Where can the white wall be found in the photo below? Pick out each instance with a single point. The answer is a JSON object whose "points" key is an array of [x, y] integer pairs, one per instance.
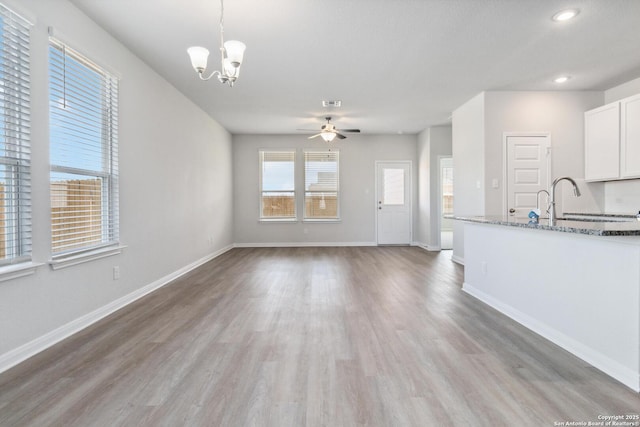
{"points": [[622, 196], [561, 114], [175, 191], [478, 128], [358, 154], [433, 143], [630, 88], [468, 166]]}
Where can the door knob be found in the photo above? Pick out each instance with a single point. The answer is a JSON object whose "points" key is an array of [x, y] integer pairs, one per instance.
{"points": [[512, 211]]}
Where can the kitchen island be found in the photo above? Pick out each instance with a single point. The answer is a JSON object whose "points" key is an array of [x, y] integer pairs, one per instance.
{"points": [[577, 283]]}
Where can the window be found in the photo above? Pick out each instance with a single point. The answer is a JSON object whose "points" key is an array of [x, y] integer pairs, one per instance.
{"points": [[321, 189], [277, 185], [393, 186], [15, 162], [84, 152], [447, 189]]}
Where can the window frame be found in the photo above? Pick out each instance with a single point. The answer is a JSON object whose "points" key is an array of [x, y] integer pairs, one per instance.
{"points": [[266, 219], [16, 154], [337, 191], [106, 154]]}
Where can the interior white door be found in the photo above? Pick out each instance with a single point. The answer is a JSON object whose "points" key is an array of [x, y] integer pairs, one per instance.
{"points": [[393, 206], [527, 170]]}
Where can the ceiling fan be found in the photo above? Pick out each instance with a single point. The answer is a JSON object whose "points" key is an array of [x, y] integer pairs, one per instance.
{"points": [[328, 131]]}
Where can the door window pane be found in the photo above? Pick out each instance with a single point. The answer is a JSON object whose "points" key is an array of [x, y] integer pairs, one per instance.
{"points": [[393, 187]]}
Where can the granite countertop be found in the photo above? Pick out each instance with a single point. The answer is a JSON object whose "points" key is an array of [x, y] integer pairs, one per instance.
{"points": [[623, 225]]}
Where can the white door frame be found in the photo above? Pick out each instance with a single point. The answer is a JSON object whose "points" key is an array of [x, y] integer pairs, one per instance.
{"points": [[409, 192], [505, 137]]}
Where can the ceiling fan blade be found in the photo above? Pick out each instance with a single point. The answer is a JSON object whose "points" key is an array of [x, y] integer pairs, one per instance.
{"points": [[350, 130], [313, 136], [339, 135]]}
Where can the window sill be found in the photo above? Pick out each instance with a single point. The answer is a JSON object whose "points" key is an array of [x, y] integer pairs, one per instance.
{"points": [[333, 220], [285, 220], [89, 256], [10, 272]]}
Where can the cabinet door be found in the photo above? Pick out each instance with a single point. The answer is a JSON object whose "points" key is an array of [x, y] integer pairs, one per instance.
{"points": [[630, 137], [602, 143]]}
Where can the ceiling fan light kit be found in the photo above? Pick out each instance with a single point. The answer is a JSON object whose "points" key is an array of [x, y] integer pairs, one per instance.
{"points": [[231, 56], [328, 131]]}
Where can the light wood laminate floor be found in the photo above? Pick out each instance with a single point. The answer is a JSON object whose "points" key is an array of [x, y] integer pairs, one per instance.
{"points": [[376, 336]]}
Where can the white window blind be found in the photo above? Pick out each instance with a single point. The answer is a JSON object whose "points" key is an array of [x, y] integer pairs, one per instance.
{"points": [[321, 185], [83, 108], [15, 152], [277, 185]]}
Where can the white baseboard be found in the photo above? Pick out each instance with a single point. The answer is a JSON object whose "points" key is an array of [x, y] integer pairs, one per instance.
{"points": [[626, 376], [426, 247], [302, 244], [457, 259], [17, 355]]}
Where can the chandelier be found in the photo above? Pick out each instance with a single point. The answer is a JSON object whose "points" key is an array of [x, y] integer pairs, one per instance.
{"points": [[231, 53]]}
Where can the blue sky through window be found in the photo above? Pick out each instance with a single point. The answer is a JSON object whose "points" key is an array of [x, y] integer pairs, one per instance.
{"points": [[278, 176], [76, 113]]}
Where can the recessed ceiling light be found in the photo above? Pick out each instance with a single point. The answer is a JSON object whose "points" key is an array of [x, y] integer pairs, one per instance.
{"points": [[335, 103], [561, 79], [565, 15]]}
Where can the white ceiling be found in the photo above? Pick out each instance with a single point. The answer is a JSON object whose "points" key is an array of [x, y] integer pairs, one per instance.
{"points": [[397, 65]]}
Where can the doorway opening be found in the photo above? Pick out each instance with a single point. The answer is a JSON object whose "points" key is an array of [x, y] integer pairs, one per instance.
{"points": [[446, 203]]}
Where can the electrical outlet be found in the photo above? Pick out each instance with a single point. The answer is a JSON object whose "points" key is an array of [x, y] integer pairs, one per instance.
{"points": [[483, 266], [116, 272]]}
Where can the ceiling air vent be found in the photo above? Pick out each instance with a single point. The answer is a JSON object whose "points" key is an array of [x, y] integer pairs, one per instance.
{"points": [[334, 104]]}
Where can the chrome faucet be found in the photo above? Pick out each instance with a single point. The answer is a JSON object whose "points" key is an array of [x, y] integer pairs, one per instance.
{"points": [[552, 204], [538, 200]]}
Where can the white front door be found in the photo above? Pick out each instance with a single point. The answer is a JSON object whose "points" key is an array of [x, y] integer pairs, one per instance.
{"points": [[393, 203], [527, 170]]}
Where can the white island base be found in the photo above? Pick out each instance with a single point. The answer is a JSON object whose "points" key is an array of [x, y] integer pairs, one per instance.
{"points": [[581, 292]]}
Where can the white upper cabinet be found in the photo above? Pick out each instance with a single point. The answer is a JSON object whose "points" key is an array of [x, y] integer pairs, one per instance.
{"points": [[602, 143], [612, 141], [630, 137]]}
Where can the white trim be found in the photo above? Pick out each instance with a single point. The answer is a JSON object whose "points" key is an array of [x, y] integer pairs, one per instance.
{"points": [[457, 259], [264, 220], [426, 247], [18, 9], [10, 272], [600, 361], [17, 355], [57, 264], [505, 137], [302, 244], [77, 45]]}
